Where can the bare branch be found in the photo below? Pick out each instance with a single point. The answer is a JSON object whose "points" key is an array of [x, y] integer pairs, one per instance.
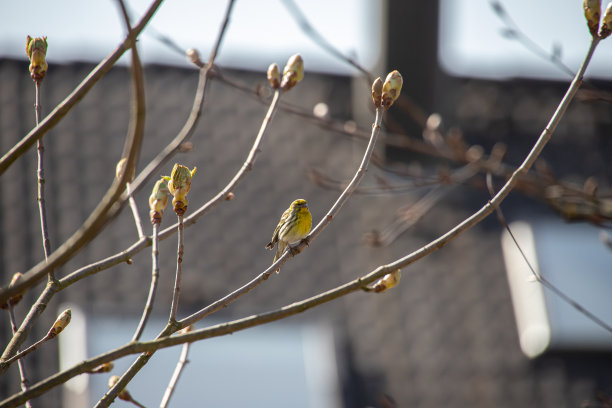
{"points": [[176, 374], [179, 269], [152, 288], [20, 364], [41, 184]]}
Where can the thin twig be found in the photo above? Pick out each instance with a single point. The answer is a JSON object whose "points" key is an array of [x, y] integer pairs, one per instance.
{"points": [[20, 363], [538, 276], [308, 29], [135, 213], [175, 376], [41, 183], [179, 269], [138, 404], [137, 114], [514, 31], [153, 287], [21, 334], [28, 350], [410, 215]]}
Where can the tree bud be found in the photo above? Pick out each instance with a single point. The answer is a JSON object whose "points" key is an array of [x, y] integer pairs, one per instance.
{"points": [[293, 72], [274, 76], [391, 88], [36, 48]]}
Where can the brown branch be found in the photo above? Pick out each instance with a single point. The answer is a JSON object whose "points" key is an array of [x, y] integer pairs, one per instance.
{"points": [[27, 350], [179, 269], [135, 214], [131, 200], [21, 334], [41, 183], [175, 375], [20, 363], [153, 287]]}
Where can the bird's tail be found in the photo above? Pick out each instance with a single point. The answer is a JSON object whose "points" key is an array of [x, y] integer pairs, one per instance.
{"points": [[280, 248]]}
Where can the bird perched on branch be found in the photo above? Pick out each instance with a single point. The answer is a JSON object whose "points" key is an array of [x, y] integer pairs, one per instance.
{"points": [[293, 226]]}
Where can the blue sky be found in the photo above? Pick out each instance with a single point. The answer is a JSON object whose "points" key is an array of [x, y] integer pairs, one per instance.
{"points": [[471, 43], [262, 31]]}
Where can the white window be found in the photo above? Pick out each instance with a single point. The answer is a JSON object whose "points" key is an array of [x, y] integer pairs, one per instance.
{"points": [[573, 258], [276, 365]]}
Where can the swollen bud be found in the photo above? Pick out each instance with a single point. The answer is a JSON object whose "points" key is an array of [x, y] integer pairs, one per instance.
{"points": [[293, 72], [120, 169], [377, 87], [194, 57], [36, 48], [60, 324], [15, 299], [158, 200], [102, 368], [592, 12], [606, 23], [186, 329], [391, 88], [179, 184], [274, 76], [388, 281], [123, 394]]}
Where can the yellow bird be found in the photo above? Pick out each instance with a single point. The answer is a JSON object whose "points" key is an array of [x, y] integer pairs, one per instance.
{"points": [[293, 226]]}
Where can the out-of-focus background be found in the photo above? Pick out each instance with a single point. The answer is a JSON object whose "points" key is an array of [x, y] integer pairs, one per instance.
{"points": [[467, 326]]}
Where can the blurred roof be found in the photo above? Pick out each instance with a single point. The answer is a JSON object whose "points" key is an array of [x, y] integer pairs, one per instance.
{"points": [[444, 337]]}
